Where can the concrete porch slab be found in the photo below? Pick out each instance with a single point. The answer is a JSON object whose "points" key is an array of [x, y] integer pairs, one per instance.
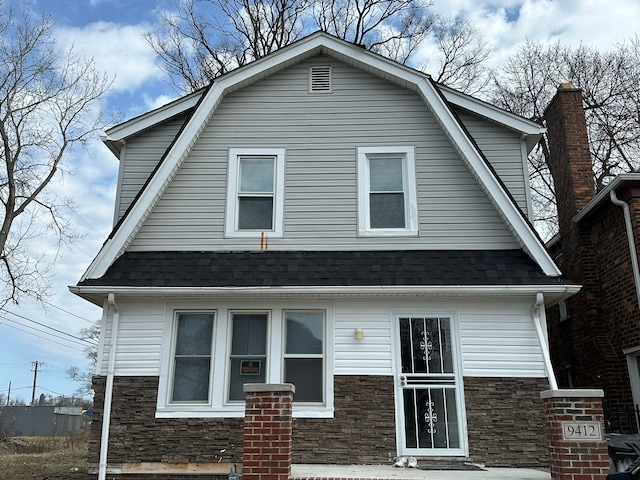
{"points": [[388, 472]]}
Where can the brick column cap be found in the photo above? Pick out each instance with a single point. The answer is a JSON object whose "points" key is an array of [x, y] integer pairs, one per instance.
{"points": [[572, 392], [269, 387]]}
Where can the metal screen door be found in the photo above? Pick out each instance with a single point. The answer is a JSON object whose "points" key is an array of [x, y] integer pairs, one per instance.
{"points": [[428, 397]]}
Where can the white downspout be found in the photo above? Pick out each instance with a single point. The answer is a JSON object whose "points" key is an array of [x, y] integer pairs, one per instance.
{"points": [[539, 317], [632, 243], [108, 393]]}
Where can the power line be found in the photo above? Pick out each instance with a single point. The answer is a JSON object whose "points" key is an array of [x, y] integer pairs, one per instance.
{"points": [[44, 338], [34, 329], [67, 311], [50, 328]]}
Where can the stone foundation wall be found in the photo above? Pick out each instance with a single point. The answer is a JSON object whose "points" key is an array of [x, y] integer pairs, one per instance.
{"points": [[504, 415], [506, 421], [363, 430]]}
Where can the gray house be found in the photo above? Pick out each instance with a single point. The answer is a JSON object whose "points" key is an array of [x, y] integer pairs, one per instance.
{"points": [[329, 218]]}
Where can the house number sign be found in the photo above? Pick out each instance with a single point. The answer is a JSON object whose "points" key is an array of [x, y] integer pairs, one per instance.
{"points": [[250, 367], [585, 431]]}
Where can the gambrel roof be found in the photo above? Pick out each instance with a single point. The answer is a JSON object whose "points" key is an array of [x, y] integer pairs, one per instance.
{"points": [[204, 103]]}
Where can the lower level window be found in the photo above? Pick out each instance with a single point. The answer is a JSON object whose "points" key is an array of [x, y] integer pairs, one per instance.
{"points": [[304, 352], [248, 351], [192, 360], [216, 352]]}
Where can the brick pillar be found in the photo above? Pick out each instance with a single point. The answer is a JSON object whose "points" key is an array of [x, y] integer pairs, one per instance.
{"points": [[575, 433], [267, 431]]}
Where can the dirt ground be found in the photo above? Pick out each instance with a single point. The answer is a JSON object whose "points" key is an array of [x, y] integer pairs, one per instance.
{"points": [[44, 458]]}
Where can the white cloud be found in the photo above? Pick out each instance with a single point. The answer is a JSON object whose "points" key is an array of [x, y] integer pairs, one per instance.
{"points": [[119, 50], [507, 23]]}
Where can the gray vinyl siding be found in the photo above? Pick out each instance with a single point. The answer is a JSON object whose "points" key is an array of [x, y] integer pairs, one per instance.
{"points": [[321, 134], [503, 149], [142, 154]]}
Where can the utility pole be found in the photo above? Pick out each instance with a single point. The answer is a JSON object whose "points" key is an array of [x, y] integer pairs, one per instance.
{"points": [[9, 394], [35, 376]]}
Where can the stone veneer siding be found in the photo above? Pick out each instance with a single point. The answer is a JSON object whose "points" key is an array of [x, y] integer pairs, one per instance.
{"points": [[504, 415], [506, 421]]}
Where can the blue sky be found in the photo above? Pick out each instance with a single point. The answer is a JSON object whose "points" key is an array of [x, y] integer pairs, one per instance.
{"points": [[111, 31]]}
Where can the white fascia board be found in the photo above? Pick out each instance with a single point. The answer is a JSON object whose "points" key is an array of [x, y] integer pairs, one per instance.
{"points": [[501, 200], [530, 130], [508, 119], [154, 117], [119, 239], [604, 194], [331, 291]]}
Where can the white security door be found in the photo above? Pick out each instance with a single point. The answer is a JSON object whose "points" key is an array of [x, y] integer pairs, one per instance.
{"points": [[429, 404]]}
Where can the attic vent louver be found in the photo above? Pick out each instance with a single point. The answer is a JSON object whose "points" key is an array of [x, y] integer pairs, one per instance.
{"points": [[320, 80]]}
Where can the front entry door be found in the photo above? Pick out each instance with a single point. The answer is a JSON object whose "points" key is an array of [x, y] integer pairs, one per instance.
{"points": [[429, 404]]}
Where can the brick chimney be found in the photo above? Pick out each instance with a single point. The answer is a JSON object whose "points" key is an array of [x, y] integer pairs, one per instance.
{"points": [[570, 161]]}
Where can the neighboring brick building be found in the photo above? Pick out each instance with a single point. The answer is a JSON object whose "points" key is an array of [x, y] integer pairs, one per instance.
{"points": [[594, 335]]}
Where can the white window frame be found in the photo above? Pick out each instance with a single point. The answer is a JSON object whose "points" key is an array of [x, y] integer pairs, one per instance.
{"points": [[176, 316], [227, 381], [284, 355], [409, 187], [231, 221], [218, 405]]}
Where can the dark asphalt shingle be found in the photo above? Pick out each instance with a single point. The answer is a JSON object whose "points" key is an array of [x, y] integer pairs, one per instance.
{"points": [[327, 268]]}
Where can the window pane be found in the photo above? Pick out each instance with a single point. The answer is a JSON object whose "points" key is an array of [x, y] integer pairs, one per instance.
{"points": [[256, 175], [249, 334], [255, 213], [304, 332], [194, 334], [248, 352], [385, 174], [306, 375], [387, 210], [191, 379]]}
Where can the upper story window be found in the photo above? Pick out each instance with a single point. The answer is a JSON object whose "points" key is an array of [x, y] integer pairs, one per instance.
{"points": [[387, 200], [255, 201]]}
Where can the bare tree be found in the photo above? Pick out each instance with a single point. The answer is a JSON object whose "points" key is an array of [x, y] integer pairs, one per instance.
{"points": [[47, 106], [203, 39], [609, 83], [392, 28], [84, 377], [460, 56]]}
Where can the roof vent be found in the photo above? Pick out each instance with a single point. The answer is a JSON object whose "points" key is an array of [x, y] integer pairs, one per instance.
{"points": [[320, 80]]}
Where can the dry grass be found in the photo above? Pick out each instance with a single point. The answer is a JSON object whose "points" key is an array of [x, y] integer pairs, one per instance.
{"points": [[52, 458]]}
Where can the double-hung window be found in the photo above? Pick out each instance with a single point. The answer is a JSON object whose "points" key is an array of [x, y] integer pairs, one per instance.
{"points": [[255, 200], [248, 351], [304, 354], [192, 358], [387, 200]]}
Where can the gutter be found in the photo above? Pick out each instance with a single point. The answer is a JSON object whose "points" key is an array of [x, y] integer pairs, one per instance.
{"points": [[632, 244], [539, 317], [108, 395], [554, 292]]}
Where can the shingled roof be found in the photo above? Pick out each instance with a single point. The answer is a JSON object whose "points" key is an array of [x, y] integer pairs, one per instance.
{"points": [[325, 268]]}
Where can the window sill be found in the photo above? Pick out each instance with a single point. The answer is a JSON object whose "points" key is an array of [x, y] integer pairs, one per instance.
{"points": [[253, 234], [388, 233], [193, 411]]}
